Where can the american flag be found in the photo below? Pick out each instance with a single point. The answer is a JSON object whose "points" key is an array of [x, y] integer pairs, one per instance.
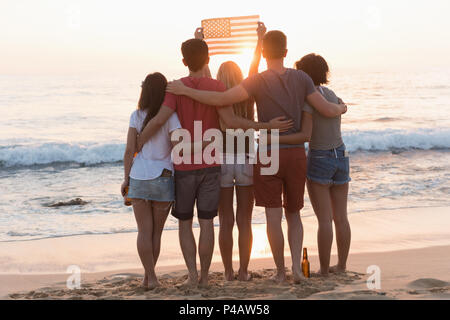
{"points": [[230, 35]]}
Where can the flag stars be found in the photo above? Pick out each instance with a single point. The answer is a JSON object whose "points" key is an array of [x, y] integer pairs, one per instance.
{"points": [[216, 28]]}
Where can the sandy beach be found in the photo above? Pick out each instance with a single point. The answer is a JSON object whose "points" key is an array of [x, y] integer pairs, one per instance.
{"points": [[410, 246]]}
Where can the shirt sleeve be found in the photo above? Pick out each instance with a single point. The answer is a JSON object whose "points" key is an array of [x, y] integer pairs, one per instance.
{"points": [[331, 96], [309, 84], [133, 122], [174, 123], [307, 108], [170, 101], [251, 85]]}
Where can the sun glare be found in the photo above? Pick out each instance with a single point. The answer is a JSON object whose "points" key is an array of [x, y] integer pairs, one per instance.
{"points": [[260, 246], [243, 60]]}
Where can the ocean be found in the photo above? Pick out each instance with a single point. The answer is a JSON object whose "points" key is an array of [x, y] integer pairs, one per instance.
{"points": [[63, 138]]}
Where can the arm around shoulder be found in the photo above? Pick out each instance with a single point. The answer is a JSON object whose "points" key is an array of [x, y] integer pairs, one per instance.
{"points": [[154, 125], [302, 136], [324, 107], [212, 98]]}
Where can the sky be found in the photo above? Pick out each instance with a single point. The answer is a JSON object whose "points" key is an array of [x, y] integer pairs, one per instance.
{"points": [[126, 37]]}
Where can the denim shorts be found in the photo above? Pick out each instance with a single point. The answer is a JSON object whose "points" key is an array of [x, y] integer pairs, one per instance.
{"points": [[329, 166], [159, 189], [236, 174]]}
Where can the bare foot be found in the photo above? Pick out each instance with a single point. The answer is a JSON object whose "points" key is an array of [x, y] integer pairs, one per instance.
{"points": [[297, 276], [244, 276], [153, 284], [337, 269], [279, 277], [229, 275], [190, 282], [203, 283], [145, 282], [323, 274]]}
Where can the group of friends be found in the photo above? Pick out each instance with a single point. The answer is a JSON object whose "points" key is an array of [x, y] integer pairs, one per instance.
{"points": [[293, 101]]}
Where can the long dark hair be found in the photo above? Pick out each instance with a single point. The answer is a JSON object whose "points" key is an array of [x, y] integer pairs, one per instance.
{"points": [[152, 95]]}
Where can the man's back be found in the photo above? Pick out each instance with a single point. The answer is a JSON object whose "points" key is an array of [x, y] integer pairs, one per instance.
{"points": [[281, 95], [189, 110]]}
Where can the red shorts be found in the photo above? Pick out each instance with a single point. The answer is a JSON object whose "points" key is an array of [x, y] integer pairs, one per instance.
{"points": [[288, 182]]}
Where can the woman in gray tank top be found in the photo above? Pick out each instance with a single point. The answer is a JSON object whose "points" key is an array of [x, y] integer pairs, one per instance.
{"points": [[327, 171]]}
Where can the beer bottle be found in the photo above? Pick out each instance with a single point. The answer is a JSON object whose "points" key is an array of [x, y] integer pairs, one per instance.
{"points": [[126, 200], [305, 264]]}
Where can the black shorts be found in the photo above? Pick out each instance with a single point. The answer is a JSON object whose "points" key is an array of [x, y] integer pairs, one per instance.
{"points": [[201, 185]]}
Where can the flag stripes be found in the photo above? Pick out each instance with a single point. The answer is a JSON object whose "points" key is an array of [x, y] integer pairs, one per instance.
{"points": [[230, 35]]}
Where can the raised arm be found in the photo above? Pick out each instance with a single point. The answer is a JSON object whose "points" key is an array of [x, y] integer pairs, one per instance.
{"points": [[258, 50], [212, 98], [325, 108], [198, 34], [154, 125]]}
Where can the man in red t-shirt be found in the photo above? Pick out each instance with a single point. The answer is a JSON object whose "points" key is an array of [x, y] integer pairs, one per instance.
{"points": [[199, 182]]}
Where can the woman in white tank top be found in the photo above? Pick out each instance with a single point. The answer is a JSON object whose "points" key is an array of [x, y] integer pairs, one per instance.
{"points": [[149, 174]]}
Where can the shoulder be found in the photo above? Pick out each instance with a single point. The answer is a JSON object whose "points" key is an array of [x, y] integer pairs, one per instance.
{"points": [[140, 113], [329, 93], [254, 78], [135, 114], [213, 84], [174, 118], [172, 123], [299, 74], [136, 117], [327, 90], [204, 83]]}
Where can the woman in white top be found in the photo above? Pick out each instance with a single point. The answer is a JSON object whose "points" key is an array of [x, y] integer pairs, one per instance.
{"points": [[149, 175]]}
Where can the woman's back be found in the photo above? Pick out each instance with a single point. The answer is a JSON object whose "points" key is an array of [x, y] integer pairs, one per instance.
{"points": [[155, 154], [230, 75], [326, 132]]}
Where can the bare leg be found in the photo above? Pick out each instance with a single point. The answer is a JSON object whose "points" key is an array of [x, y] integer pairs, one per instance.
{"points": [[226, 217], [189, 249], [276, 240], [244, 212], [339, 196], [295, 236], [143, 214], [320, 199], [205, 248], [160, 213]]}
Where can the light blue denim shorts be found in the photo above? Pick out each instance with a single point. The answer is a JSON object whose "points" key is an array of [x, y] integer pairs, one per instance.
{"points": [[159, 189]]}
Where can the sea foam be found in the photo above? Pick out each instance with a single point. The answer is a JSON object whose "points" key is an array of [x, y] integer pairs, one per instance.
{"points": [[94, 154]]}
